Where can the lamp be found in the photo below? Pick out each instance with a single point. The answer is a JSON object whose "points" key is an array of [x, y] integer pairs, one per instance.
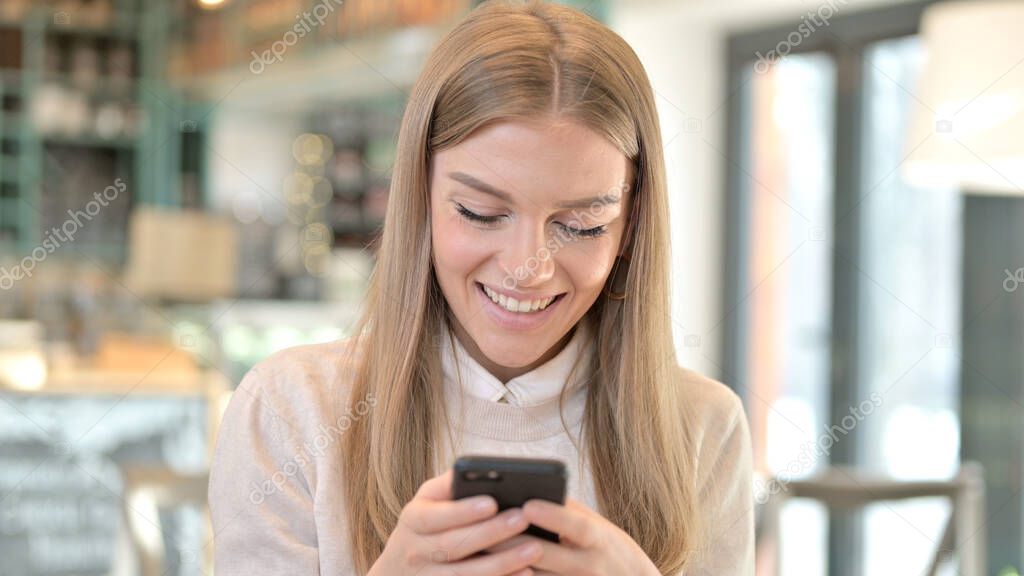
{"points": [[968, 131]]}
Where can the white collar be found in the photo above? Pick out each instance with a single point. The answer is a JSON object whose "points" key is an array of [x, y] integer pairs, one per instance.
{"points": [[537, 386]]}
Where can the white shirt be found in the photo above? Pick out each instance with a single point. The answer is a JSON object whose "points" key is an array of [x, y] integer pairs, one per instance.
{"points": [[535, 387]]}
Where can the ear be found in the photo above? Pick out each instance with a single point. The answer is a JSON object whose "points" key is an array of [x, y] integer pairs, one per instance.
{"points": [[625, 243]]}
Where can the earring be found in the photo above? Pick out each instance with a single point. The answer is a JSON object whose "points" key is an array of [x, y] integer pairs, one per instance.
{"points": [[617, 279]]}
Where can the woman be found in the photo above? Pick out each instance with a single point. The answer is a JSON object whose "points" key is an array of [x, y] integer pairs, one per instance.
{"points": [[519, 306]]}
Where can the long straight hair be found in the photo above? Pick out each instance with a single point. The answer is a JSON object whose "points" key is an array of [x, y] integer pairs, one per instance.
{"points": [[520, 60]]}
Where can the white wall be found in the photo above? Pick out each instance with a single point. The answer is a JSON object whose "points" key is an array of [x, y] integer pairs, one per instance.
{"points": [[682, 44]]}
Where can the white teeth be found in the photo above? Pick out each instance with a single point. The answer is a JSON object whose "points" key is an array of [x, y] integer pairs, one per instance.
{"points": [[513, 305]]}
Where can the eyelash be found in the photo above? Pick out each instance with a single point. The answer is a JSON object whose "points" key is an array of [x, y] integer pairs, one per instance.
{"points": [[582, 233]]}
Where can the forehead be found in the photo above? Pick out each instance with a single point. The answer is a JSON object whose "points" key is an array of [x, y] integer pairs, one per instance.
{"points": [[551, 158]]}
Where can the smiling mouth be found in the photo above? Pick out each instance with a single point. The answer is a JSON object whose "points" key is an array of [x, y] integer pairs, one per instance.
{"points": [[517, 306]]}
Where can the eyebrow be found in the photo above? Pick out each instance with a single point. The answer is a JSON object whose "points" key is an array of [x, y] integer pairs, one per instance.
{"points": [[462, 177]]}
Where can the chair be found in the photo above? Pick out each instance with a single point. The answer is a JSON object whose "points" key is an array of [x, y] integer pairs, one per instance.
{"points": [[844, 488], [146, 492]]}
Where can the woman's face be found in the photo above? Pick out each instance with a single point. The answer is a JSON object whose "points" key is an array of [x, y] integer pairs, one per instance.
{"points": [[533, 212]]}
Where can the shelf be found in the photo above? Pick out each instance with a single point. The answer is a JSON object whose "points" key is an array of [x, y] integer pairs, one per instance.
{"points": [[8, 165], [89, 141], [119, 31], [10, 124], [119, 26], [24, 82], [103, 86], [244, 27], [8, 222], [10, 81], [107, 253], [386, 67], [9, 210]]}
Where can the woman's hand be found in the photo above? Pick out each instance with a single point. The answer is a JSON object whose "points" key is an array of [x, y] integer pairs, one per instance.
{"points": [[590, 545], [436, 536]]}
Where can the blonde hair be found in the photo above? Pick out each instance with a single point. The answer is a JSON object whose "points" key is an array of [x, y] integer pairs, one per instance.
{"points": [[518, 61]]}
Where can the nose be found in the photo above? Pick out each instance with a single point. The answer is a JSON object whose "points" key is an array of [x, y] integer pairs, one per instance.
{"points": [[528, 261]]}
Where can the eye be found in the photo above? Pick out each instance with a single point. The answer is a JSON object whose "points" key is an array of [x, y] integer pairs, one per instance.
{"points": [[474, 217], [572, 231], [585, 232]]}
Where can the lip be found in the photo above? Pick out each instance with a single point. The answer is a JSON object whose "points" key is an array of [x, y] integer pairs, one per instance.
{"points": [[515, 320], [519, 295]]}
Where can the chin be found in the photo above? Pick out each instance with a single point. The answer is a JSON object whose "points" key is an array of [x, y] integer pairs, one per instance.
{"points": [[497, 350]]}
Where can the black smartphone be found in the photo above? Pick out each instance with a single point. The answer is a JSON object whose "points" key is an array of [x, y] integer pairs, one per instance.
{"points": [[511, 481]]}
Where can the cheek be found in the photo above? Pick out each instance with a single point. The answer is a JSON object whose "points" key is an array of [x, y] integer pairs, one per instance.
{"points": [[456, 251], [589, 270]]}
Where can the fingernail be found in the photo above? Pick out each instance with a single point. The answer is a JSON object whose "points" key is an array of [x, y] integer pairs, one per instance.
{"points": [[514, 518], [482, 504], [528, 550]]}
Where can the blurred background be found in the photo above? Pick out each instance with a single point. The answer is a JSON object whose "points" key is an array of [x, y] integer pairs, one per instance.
{"points": [[187, 186]]}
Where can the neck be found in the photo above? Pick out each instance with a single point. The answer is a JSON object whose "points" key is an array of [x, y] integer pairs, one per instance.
{"points": [[503, 373]]}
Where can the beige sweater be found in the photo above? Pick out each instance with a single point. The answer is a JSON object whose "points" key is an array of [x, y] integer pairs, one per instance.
{"points": [[275, 486]]}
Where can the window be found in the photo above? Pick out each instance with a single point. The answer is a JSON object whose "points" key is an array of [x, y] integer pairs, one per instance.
{"points": [[910, 254], [789, 194], [844, 285]]}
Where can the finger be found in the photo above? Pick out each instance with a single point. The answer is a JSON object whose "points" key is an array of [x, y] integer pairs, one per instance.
{"points": [[468, 540], [431, 517], [580, 508], [555, 559], [437, 488], [567, 521], [512, 542], [574, 504], [508, 562], [559, 559]]}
